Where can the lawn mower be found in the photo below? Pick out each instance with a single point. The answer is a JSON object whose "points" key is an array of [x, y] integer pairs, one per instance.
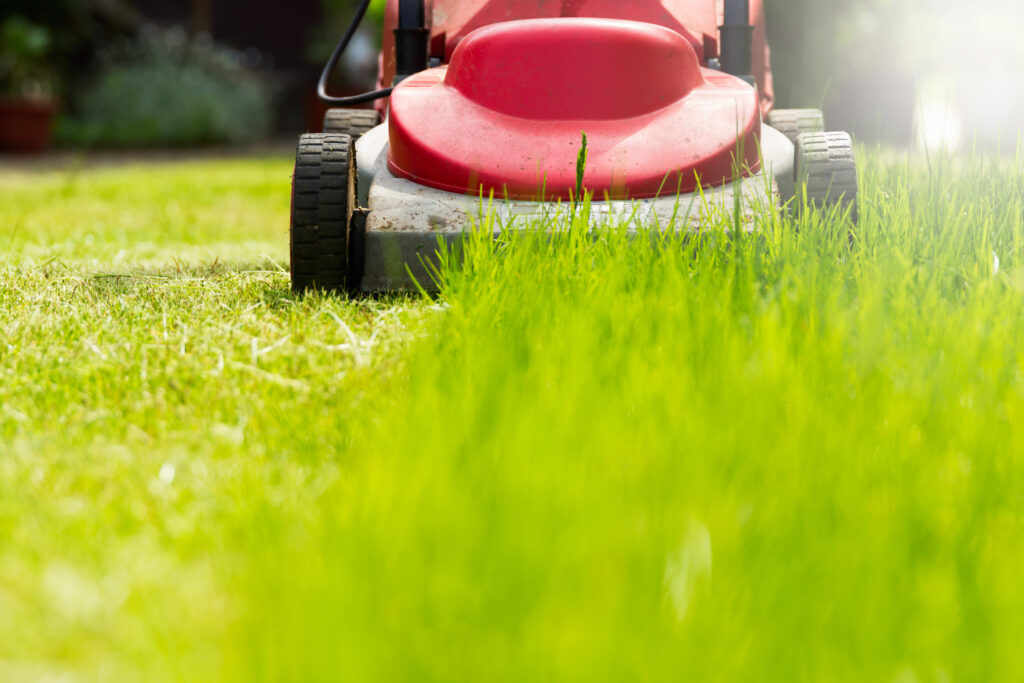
{"points": [[485, 105]]}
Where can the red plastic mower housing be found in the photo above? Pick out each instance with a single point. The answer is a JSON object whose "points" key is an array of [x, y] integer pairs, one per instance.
{"points": [[451, 21], [507, 115]]}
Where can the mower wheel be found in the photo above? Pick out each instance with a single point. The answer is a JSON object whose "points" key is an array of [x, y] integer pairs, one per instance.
{"points": [[793, 122], [826, 169], [352, 122], [323, 197]]}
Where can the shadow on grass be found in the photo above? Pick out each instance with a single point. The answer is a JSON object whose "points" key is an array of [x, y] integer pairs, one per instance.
{"points": [[262, 282]]}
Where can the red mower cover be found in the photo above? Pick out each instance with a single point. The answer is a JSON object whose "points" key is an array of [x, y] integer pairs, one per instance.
{"points": [[499, 117], [450, 21]]}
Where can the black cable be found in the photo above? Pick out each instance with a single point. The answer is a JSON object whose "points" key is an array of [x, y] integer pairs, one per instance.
{"points": [[332, 64]]}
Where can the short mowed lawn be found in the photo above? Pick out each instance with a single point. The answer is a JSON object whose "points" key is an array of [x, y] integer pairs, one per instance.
{"points": [[789, 456]]}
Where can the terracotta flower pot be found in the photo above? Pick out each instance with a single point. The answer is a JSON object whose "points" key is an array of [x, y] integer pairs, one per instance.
{"points": [[26, 125]]}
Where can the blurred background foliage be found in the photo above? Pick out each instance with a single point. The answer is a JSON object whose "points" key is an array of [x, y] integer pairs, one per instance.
{"points": [[25, 69], [885, 69], [179, 91], [72, 29]]}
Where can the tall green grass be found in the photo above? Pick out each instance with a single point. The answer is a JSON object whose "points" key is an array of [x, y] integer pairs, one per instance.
{"points": [[794, 455]]}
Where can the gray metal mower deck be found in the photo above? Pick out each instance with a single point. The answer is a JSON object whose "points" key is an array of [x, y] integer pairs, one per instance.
{"points": [[406, 220]]}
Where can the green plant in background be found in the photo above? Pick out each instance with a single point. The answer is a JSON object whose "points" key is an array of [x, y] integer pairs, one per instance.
{"points": [[25, 70], [163, 89]]}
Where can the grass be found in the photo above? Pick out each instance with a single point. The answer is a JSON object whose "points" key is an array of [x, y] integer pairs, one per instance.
{"points": [[782, 457]]}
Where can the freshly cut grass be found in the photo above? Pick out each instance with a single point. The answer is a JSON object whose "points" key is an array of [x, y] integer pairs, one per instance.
{"points": [[788, 456], [155, 372]]}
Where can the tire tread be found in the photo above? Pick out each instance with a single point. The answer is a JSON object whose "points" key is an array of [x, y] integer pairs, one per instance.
{"points": [[793, 122], [351, 122], [323, 191], [826, 168]]}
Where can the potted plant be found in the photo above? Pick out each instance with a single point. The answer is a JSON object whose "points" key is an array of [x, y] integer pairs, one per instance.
{"points": [[27, 102]]}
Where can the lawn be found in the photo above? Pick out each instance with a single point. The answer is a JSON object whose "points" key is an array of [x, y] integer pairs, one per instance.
{"points": [[791, 456]]}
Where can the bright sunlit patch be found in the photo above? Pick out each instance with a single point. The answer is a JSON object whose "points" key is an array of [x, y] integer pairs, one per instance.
{"points": [[688, 567], [966, 96], [938, 121], [167, 473]]}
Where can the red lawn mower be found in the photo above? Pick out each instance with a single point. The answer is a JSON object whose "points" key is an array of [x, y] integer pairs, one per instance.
{"points": [[485, 106]]}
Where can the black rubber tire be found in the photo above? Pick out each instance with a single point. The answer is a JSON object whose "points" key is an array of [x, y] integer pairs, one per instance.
{"points": [[826, 168], [794, 122], [323, 197], [353, 122]]}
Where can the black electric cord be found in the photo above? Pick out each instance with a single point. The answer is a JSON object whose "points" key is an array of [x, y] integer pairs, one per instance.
{"points": [[332, 64]]}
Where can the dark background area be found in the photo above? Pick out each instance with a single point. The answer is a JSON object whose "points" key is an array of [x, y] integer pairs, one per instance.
{"points": [[280, 29]]}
